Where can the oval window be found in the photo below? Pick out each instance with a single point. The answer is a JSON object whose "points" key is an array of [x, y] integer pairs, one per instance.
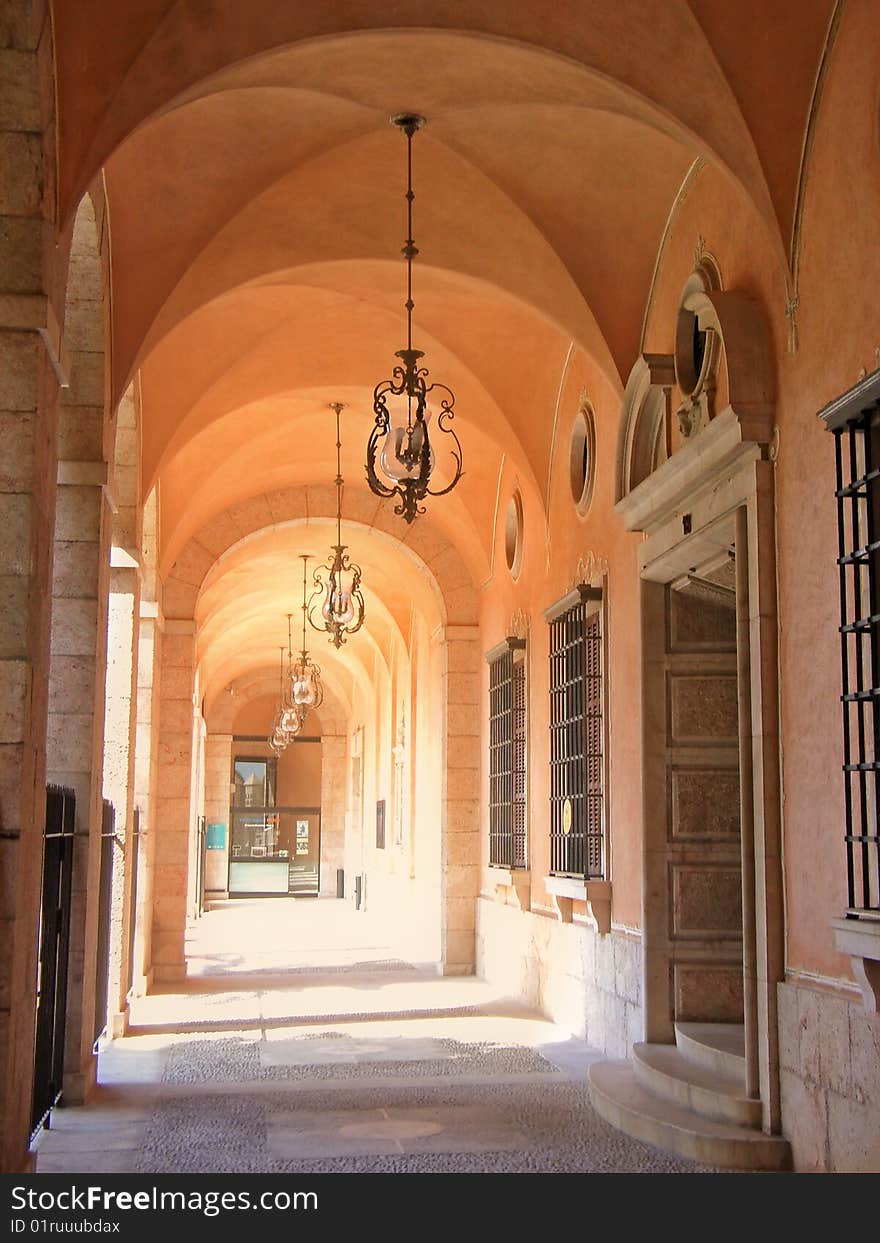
{"points": [[513, 534], [582, 461]]}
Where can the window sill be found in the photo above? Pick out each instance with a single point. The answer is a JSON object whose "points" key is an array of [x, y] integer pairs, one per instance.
{"points": [[517, 879], [596, 894], [860, 938]]}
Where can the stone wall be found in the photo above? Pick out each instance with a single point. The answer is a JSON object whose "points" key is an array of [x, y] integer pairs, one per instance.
{"points": [[830, 1078], [587, 983], [218, 770], [334, 786]]}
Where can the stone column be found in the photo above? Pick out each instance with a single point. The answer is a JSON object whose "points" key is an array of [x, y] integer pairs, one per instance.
{"points": [[218, 775], [172, 799], [146, 776], [334, 782], [29, 372], [460, 795], [75, 738], [119, 724]]}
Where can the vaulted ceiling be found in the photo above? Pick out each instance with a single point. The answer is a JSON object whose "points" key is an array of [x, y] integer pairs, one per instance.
{"points": [[255, 194]]}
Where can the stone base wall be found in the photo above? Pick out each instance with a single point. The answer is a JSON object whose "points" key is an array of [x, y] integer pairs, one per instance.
{"points": [[829, 1051], [334, 788], [587, 983]]}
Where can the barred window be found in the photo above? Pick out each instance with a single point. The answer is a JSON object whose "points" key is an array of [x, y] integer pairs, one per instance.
{"points": [[854, 419], [508, 750], [577, 736]]}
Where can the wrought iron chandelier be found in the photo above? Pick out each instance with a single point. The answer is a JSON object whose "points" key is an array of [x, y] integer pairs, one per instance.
{"points": [[306, 688], [288, 719], [337, 599], [400, 437]]}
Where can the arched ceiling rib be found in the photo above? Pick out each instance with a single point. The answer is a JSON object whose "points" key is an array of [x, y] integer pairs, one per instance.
{"points": [[654, 51], [255, 203], [240, 613], [345, 206]]}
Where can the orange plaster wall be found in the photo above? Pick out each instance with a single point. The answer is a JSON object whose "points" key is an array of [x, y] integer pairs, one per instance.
{"points": [[299, 767], [839, 333], [545, 575], [839, 328]]}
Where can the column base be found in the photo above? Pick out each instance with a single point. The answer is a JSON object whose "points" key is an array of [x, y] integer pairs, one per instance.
{"points": [[79, 1085]]}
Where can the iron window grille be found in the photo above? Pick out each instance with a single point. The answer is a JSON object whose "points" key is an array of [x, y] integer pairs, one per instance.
{"points": [[508, 752], [577, 736], [854, 420]]}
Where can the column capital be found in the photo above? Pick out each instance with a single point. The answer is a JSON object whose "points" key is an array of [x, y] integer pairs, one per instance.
{"points": [[456, 634], [180, 625], [82, 474], [33, 312]]}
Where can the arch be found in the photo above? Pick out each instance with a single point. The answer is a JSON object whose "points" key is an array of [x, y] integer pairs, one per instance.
{"points": [[445, 571], [256, 683], [741, 350], [616, 52]]}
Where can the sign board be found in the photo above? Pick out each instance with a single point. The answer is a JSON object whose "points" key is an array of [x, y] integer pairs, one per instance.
{"points": [[215, 836]]}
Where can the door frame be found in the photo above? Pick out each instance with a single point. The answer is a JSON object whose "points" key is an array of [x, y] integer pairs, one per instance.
{"points": [[719, 478]]}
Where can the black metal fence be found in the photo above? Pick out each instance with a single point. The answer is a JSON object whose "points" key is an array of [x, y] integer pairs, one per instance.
{"points": [[54, 950], [105, 902]]}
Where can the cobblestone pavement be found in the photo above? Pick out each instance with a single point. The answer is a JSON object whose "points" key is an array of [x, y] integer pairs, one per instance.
{"points": [[360, 1063]]}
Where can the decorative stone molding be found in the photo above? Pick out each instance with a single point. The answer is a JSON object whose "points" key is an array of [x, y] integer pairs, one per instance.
{"points": [[579, 592], [735, 338], [519, 625], [596, 894], [508, 644], [642, 446], [590, 571], [719, 449], [860, 939], [517, 881], [697, 378]]}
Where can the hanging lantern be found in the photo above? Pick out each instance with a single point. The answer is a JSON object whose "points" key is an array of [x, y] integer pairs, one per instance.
{"points": [[306, 688], [400, 437], [336, 604]]}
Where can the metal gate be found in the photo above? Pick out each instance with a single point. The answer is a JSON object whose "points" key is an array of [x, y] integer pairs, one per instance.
{"points": [[53, 952], [105, 899]]}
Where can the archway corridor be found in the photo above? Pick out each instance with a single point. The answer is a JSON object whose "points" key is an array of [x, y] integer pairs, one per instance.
{"points": [[552, 822], [297, 1045]]}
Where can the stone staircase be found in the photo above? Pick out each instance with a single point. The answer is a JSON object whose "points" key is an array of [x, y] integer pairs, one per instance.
{"points": [[689, 1098]]}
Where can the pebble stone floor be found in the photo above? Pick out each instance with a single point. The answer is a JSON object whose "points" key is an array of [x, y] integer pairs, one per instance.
{"points": [[336, 1057]]}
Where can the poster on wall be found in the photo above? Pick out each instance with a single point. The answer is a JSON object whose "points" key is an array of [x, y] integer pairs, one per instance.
{"points": [[302, 837], [215, 836]]}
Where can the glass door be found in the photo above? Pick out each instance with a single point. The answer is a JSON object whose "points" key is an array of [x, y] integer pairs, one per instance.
{"points": [[273, 850], [300, 833]]}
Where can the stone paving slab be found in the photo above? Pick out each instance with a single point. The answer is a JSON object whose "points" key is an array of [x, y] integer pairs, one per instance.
{"points": [[347, 1133], [515, 1126]]}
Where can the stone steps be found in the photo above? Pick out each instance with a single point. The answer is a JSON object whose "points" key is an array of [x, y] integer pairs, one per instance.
{"points": [[717, 1046], [664, 1070], [689, 1098]]}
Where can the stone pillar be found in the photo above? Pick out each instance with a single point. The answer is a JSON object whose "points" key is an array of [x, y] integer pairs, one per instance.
{"points": [[172, 799], [218, 776], [75, 738], [119, 724], [29, 373], [460, 795], [146, 775], [334, 782]]}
